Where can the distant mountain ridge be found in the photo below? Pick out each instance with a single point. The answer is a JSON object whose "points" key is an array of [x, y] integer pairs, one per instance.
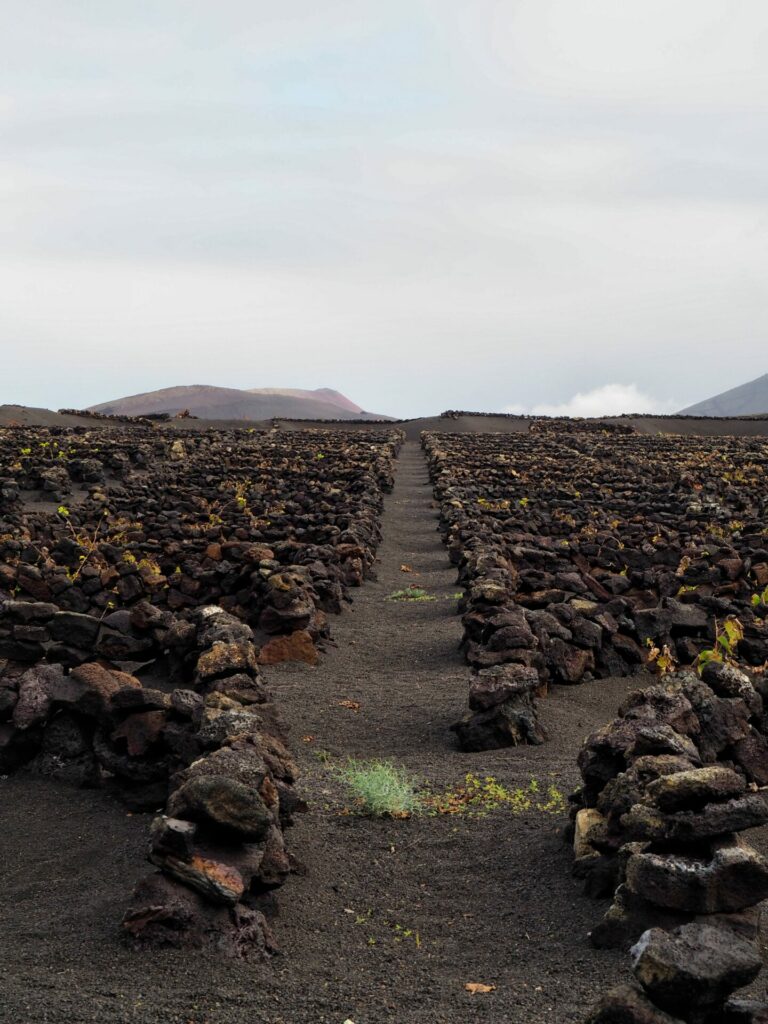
{"points": [[748, 399], [214, 403], [319, 394]]}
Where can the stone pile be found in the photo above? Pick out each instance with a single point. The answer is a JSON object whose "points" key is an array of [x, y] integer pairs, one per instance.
{"points": [[456, 414], [219, 843], [112, 417], [31, 631], [668, 788], [203, 740], [502, 709], [579, 547], [686, 975]]}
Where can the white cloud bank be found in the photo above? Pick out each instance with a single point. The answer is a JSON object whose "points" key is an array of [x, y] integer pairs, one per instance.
{"points": [[608, 400]]}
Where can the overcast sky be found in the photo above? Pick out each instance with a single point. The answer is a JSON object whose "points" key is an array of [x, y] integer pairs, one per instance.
{"points": [[426, 204]]}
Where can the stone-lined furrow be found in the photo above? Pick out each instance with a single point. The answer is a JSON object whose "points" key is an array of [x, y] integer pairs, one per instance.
{"points": [[274, 527], [194, 730], [579, 547]]}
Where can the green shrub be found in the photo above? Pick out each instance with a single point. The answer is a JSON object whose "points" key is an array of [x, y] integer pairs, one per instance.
{"points": [[412, 593], [380, 788]]}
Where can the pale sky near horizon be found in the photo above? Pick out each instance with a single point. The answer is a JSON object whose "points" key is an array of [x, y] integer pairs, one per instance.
{"points": [[484, 204]]}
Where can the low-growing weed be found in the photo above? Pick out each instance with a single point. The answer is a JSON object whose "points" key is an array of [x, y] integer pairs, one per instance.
{"points": [[386, 929], [380, 789], [410, 594], [476, 796]]}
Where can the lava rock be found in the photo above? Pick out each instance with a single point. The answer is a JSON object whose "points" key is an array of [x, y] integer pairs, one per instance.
{"points": [[715, 819], [75, 629], [296, 646], [498, 685], [691, 790], [745, 1011], [187, 704], [693, 967], [630, 915], [172, 837], [90, 688], [222, 803], [224, 659], [35, 695], [498, 728], [731, 878], [628, 1004], [162, 912]]}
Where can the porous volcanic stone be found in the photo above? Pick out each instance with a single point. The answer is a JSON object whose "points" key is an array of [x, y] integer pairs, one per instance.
{"points": [[172, 837], [164, 912], [296, 646], [492, 686], [35, 696], [224, 659], [732, 878], [628, 1004], [694, 966], [693, 789], [216, 882], [90, 688], [745, 1011], [224, 803], [716, 819]]}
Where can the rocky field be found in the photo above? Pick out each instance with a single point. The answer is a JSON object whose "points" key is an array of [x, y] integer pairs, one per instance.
{"points": [[199, 628]]}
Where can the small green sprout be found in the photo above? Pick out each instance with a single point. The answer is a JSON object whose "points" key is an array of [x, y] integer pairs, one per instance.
{"points": [[410, 594]]}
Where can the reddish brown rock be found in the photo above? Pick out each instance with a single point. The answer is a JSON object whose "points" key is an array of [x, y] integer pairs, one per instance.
{"points": [[140, 732], [216, 882], [90, 687], [296, 646]]}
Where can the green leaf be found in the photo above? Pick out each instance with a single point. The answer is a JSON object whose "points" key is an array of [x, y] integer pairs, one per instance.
{"points": [[734, 631]]}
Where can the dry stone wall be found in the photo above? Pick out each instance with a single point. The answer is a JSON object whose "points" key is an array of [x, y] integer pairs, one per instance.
{"points": [[581, 547], [210, 751], [669, 789]]}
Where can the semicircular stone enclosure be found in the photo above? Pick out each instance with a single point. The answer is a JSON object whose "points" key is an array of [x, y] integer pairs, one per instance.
{"points": [[146, 579]]}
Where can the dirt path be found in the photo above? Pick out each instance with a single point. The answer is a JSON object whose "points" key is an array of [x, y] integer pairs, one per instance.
{"points": [[490, 898]]}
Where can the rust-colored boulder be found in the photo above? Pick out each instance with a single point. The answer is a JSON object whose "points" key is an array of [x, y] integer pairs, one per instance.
{"points": [[296, 646], [90, 687]]}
